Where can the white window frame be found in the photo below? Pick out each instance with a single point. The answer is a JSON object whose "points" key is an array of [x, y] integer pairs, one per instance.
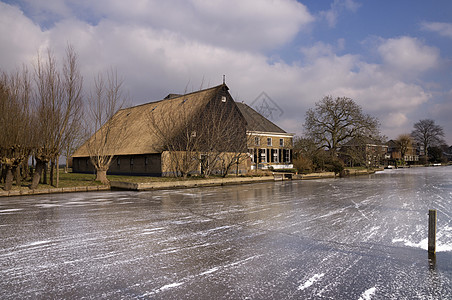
{"points": [[269, 141], [263, 154], [276, 156], [257, 140], [287, 156], [281, 142]]}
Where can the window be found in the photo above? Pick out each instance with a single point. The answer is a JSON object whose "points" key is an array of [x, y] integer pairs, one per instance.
{"points": [[281, 142], [131, 161], [223, 98], [275, 155], [118, 161], [262, 155], [287, 156], [146, 161], [251, 153], [257, 141], [269, 141]]}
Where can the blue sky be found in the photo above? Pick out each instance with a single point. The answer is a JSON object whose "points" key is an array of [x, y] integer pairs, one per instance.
{"points": [[394, 58]]}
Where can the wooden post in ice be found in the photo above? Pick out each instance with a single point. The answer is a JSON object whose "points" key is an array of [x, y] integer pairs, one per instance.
{"points": [[432, 231]]}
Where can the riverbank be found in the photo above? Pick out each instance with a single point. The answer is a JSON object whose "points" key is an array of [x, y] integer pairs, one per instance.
{"points": [[132, 185]]}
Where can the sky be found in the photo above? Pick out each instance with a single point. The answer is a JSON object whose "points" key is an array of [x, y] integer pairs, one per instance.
{"points": [[393, 58]]}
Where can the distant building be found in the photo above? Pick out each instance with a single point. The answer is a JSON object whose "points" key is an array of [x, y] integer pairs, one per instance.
{"points": [[410, 157], [364, 151]]}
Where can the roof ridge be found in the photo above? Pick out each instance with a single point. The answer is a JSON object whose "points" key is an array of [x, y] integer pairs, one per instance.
{"points": [[172, 99]]}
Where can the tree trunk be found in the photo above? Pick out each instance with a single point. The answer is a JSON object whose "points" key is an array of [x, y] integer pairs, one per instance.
{"points": [[101, 175], [25, 169], [3, 173], [40, 165], [17, 175], [52, 172], [46, 168], [57, 171], [8, 178]]}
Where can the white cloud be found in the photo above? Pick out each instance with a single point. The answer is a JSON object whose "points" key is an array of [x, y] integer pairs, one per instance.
{"points": [[337, 7], [236, 24], [20, 39], [444, 29], [407, 55], [158, 55]]}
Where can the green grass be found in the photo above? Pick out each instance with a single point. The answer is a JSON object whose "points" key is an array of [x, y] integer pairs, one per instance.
{"points": [[66, 180], [79, 180]]}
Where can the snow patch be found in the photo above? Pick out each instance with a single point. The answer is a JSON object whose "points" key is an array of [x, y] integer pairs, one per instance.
{"points": [[47, 205], [10, 210], [163, 288], [310, 281], [423, 244], [152, 230], [367, 295], [171, 285], [38, 243], [209, 271]]}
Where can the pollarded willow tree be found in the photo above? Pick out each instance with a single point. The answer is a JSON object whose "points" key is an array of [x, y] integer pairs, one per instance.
{"points": [[17, 135], [107, 127], [58, 100], [334, 122]]}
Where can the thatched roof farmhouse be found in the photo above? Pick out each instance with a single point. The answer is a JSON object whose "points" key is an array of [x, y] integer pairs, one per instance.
{"points": [[199, 122]]}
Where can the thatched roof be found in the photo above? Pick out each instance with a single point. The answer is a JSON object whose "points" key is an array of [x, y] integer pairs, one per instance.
{"points": [[256, 122], [140, 138]]}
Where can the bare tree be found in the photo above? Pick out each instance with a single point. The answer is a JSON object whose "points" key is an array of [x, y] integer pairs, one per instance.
{"points": [[71, 130], [16, 136], [428, 134], [211, 137], [74, 138], [404, 142], [223, 137], [176, 135], [104, 102], [48, 101], [59, 102], [334, 122]]}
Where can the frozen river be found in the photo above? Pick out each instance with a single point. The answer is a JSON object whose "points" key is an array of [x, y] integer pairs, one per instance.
{"points": [[352, 238]]}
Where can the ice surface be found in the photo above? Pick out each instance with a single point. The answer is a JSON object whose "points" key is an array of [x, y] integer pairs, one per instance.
{"points": [[311, 281], [359, 237]]}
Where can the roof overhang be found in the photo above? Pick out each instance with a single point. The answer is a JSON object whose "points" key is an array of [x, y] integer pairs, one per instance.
{"points": [[274, 134]]}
